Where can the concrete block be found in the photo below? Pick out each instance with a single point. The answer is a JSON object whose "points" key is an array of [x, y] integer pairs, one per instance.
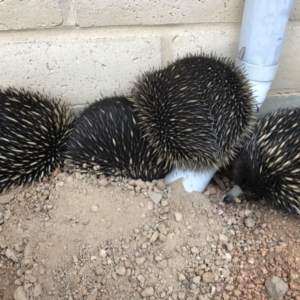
{"points": [[295, 11], [220, 39], [16, 14], [288, 74], [144, 12], [275, 102], [76, 67]]}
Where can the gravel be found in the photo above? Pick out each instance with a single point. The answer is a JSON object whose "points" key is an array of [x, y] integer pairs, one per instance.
{"points": [[276, 287], [75, 236]]}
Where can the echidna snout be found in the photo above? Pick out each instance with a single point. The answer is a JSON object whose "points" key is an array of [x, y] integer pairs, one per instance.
{"points": [[241, 169], [235, 192], [268, 164]]}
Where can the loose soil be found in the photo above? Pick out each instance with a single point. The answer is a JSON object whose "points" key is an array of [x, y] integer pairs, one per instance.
{"points": [[76, 236]]}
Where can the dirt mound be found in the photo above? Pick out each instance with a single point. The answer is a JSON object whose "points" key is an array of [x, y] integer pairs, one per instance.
{"points": [[79, 237]]}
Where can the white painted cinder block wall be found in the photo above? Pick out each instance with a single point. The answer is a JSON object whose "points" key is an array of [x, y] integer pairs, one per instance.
{"points": [[80, 50]]}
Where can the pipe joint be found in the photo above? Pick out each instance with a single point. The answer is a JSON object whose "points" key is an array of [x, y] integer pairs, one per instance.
{"points": [[257, 73]]}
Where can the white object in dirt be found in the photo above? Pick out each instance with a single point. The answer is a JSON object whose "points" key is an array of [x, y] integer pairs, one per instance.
{"points": [[192, 181]]}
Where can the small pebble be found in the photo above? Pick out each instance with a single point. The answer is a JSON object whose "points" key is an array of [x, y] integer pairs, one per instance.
{"points": [[32, 279], [140, 260], [85, 221], [131, 182], [229, 287], [229, 246], [12, 254], [195, 250], [7, 215], [249, 222], [148, 292], [37, 291], [163, 264], [197, 279], [103, 182], [295, 287], [20, 293], [177, 231], [181, 277], [178, 217], [213, 290], [121, 270], [20, 247], [155, 197], [226, 273], [150, 206], [237, 293], [154, 237], [164, 203], [161, 185], [206, 193], [247, 212], [27, 286], [158, 258], [141, 279], [127, 263], [223, 239], [251, 260], [98, 271], [162, 237], [293, 275], [208, 277], [102, 253], [5, 199], [156, 190], [18, 282], [237, 200], [42, 270], [227, 256], [60, 184], [213, 190], [141, 184], [69, 179], [94, 208], [276, 287]]}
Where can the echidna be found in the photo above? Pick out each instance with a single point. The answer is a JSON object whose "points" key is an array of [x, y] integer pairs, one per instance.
{"points": [[33, 132], [195, 111], [268, 165], [107, 140]]}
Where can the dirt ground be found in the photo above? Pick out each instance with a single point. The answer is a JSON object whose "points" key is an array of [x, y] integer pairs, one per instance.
{"points": [[75, 236]]}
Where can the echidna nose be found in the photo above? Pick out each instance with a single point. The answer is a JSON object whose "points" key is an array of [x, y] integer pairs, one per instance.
{"points": [[227, 199], [235, 192]]}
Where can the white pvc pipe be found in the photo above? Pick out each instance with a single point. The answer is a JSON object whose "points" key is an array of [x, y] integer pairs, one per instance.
{"points": [[263, 28], [192, 181]]}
